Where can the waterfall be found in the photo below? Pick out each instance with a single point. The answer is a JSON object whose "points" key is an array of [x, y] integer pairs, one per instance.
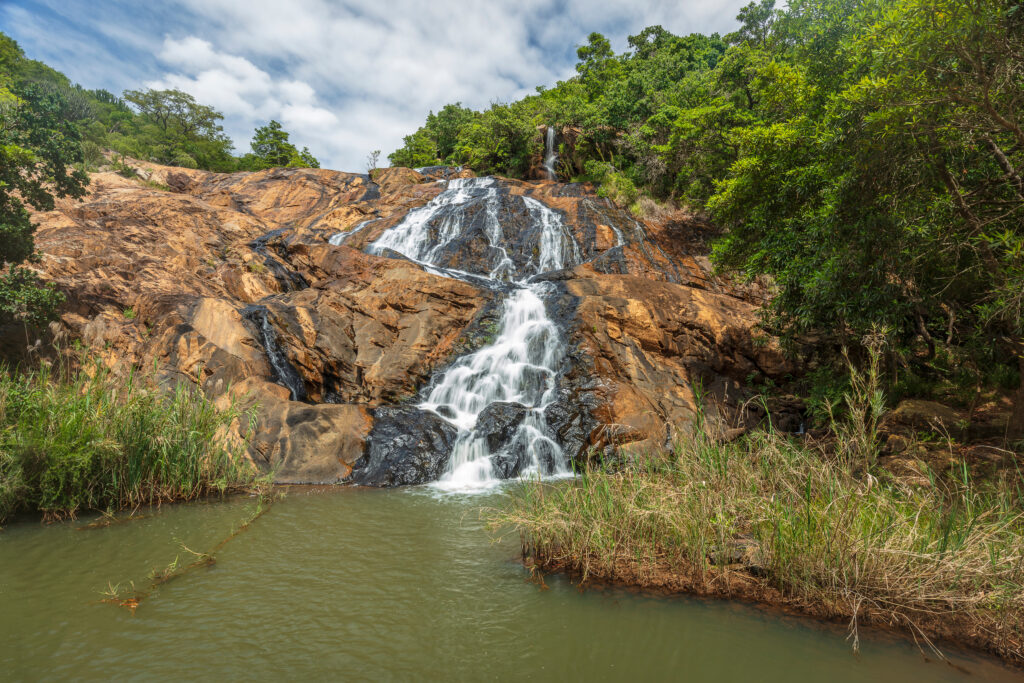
{"points": [[284, 373], [341, 237], [550, 153], [518, 369], [412, 237]]}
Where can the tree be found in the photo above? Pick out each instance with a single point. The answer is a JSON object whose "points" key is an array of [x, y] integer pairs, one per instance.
{"points": [[38, 144], [418, 150], [174, 129], [271, 149], [176, 112], [755, 24], [445, 127], [371, 161], [886, 190], [596, 64]]}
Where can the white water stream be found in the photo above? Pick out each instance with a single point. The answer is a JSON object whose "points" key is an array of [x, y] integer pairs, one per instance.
{"points": [[550, 153], [520, 365]]}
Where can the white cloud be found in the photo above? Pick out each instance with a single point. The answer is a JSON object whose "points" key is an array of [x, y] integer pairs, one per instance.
{"points": [[348, 77]]}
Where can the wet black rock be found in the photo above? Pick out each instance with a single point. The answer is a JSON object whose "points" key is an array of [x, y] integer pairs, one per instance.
{"points": [[498, 425], [571, 416], [406, 446], [499, 422]]}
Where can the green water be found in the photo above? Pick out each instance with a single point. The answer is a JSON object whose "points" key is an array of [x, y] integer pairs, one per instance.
{"points": [[376, 585]]}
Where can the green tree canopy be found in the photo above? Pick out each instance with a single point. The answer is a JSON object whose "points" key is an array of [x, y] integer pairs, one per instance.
{"points": [[271, 149], [38, 144]]}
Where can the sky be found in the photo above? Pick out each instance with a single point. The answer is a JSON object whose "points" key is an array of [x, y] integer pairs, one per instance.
{"points": [[344, 77]]}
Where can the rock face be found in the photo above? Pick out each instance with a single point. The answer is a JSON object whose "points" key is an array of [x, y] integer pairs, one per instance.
{"points": [[406, 446], [263, 289]]}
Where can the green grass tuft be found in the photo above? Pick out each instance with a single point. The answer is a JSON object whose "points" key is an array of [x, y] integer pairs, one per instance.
{"points": [[84, 440]]}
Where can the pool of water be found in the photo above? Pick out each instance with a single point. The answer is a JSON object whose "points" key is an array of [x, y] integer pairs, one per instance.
{"points": [[365, 584]]}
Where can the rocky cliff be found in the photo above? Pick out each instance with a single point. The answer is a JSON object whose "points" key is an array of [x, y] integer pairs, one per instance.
{"points": [[337, 308]]}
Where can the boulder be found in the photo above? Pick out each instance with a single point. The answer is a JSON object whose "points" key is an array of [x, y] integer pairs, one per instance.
{"points": [[916, 415], [498, 426], [406, 446]]}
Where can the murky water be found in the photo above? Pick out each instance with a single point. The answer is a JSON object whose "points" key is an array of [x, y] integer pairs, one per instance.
{"points": [[365, 584]]}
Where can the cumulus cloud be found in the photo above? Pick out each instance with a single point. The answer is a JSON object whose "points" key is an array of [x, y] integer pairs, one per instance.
{"points": [[348, 77]]}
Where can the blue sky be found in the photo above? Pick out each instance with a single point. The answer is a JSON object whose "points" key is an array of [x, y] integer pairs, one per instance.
{"points": [[344, 77]]}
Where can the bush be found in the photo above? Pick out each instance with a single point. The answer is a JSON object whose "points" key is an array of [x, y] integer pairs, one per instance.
{"points": [[613, 184]]}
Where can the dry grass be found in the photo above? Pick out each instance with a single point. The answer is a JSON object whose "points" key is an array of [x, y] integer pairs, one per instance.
{"points": [[797, 521]]}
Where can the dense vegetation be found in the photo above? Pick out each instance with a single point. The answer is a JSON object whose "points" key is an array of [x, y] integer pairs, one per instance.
{"points": [[87, 441], [38, 144], [865, 154]]}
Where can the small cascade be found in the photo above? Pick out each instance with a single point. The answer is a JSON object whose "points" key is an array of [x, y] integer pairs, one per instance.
{"points": [[284, 373], [550, 153], [519, 367], [342, 237], [422, 238], [556, 241], [515, 375]]}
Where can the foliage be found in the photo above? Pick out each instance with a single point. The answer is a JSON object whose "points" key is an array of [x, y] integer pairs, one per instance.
{"points": [[173, 128], [81, 439], [38, 144], [437, 142], [271, 149]]}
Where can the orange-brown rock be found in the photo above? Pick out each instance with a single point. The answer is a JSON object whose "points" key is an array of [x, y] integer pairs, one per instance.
{"points": [[165, 277], [229, 281], [655, 345]]}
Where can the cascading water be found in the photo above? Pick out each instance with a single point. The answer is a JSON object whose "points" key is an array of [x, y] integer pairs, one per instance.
{"points": [[520, 366], [342, 237], [284, 373], [550, 153]]}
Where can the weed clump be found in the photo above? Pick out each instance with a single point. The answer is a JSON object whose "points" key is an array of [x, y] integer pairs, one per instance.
{"points": [[81, 439]]}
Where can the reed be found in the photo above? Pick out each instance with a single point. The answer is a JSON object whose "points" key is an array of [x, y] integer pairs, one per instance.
{"points": [[81, 439], [818, 526], [791, 518]]}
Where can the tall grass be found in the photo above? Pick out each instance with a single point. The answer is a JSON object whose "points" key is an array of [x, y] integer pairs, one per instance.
{"points": [[775, 518], [789, 518], [81, 439]]}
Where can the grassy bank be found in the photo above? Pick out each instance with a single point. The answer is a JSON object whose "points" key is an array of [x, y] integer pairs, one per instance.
{"points": [[772, 519], [84, 440]]}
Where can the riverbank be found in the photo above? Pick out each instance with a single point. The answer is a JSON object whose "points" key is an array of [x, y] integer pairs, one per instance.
{"points": [[783, 522], [76, 438]]}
